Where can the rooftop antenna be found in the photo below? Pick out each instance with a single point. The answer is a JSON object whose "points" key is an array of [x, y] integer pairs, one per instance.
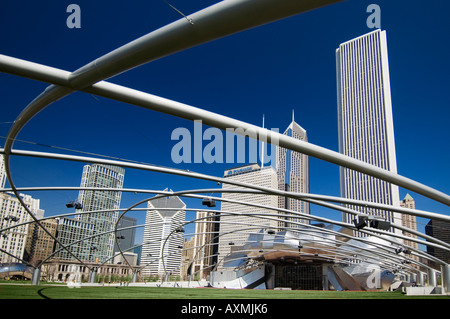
{"points": [[186, 17], [293, 115]]}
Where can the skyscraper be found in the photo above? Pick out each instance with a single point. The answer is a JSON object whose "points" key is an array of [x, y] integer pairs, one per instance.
{"points": [[365, 122], [163, 236], [235, 229], [101, 176], [293, 173], [71, 231], [205, 245], [410, 221], [126, 236], [440, 230], [12, 240], [39, 244]]}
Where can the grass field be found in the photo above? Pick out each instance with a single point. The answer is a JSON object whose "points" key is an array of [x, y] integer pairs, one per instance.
{"points": [[17, 291]]}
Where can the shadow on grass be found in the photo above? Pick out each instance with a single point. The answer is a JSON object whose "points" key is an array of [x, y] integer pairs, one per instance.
{"points": [[41, 294]]}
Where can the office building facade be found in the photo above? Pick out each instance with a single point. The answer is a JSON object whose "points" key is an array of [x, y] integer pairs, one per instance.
{"points": [[76, 235], [365, 121], [205, 246], [13, 239], [101, 176], [236, 220], [440, 230], [39, 244], [126, 235], [409, 221]]}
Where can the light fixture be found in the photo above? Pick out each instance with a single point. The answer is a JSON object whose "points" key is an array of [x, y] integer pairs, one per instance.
{"points": [[209, 202], [360, 222], [74, 204], [379, 223]]}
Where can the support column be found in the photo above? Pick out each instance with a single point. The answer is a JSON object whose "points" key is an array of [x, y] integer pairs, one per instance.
{"points": [[421, 279], [432, 278], [36, 277], [92, 277], [325, 285], [414, 278], [445, 275], [134, 278], [408, 277]]}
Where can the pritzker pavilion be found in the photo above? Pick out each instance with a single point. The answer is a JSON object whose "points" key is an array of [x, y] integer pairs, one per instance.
{"points": [[318, 254]]}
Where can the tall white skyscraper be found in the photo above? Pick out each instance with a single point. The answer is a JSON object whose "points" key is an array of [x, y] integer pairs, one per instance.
{"points": [[365, 122], [163, 244], [101, 176], [235, 229], [293, 173]]}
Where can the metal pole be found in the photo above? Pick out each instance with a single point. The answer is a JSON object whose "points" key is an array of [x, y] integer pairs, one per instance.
{"points": [[93, 276], [421, 279], [445, 277], [36, 277], [432, 278], [166, 106]]}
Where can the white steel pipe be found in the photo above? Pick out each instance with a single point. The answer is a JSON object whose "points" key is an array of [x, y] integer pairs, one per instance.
{"points": [[181, 110]]}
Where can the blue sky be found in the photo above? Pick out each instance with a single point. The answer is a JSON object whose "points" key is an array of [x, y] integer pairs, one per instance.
{"points": [[270, 70]]}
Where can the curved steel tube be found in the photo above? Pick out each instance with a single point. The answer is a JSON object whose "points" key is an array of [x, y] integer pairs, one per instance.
{"points": [[138, 98]]}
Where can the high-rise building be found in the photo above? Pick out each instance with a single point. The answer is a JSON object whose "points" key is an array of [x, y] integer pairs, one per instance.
{"points": [[440, 230], [127, 234], [13, 239], [101, 176], [293, 174], [205, 244], [187, 258], [39, 244], [409, 220], [163, 236], [74, 235], [235, 229], [365, 122]]}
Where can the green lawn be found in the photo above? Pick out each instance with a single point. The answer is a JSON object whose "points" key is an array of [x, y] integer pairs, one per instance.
{"points": [[63, 292]]}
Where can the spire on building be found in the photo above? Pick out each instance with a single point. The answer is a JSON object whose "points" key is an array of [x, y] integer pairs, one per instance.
{"points": [[408, 197]]}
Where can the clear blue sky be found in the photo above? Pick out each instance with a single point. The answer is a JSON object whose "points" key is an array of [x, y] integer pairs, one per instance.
{"points": [[270, 70]]}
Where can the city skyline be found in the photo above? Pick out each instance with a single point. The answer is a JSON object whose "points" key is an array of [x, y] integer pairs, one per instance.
{"points": [[269, 70]]}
